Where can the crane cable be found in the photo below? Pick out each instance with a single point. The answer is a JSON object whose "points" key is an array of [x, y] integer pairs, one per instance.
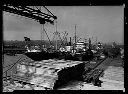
{"points": [[13, 65], [47, 35]]}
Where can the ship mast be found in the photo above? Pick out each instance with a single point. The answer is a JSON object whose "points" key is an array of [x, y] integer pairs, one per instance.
{"points": [[75, 34], [56, 33], [96, 41], [74, 47], [89, 43], [42, 35]]}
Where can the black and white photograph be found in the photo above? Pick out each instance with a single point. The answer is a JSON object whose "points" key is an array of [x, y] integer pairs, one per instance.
{"points": [[63, 48]]}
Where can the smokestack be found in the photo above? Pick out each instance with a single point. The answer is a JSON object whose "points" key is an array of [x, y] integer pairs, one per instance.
{"points": [[70, 41], [89, 43]]}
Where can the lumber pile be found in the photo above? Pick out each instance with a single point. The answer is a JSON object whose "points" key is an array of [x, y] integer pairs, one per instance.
{"points": [[8, 87], [49, 73]]}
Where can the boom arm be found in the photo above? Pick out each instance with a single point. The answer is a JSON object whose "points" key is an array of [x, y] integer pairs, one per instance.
{"points": [[30, 13]]}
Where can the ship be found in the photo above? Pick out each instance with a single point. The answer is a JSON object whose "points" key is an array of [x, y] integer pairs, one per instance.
{"points": [[38, 54], [80, 51]]}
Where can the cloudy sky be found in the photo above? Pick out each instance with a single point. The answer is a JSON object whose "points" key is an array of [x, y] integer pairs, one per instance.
{"points": [[104, 22]]}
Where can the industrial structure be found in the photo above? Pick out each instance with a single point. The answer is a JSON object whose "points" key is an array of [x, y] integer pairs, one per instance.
{"points": [[41, 69]]}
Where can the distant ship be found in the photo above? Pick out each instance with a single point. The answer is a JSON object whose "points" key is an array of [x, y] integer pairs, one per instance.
{"points": [[35, 53], [80, 51], [83, 51]]}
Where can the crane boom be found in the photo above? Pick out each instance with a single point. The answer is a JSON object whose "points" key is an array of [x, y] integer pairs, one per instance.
{"points": [[38, 15]]}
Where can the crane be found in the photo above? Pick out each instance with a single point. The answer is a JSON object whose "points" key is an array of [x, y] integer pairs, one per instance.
{"points": [[34, 13]]}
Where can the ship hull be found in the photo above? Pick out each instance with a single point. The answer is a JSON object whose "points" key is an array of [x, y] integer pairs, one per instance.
{"points": [[38, 56]]}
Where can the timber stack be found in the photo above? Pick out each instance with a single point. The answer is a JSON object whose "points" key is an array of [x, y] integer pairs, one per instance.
{"points": [[48, 74]]}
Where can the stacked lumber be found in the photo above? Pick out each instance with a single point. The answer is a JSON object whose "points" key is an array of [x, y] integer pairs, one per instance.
{"points": [[49, 73], [8, 87], [9, 61]]}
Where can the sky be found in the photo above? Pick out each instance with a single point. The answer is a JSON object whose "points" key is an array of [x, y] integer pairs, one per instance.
{"points": [[104, 22]]}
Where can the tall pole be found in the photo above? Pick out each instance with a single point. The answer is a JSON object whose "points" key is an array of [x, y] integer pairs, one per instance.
{"points": [[42, 30], [89, 43], [75, 34], [42, 34], [70, 41], [96, 41], [55, 34], [74, 47]]}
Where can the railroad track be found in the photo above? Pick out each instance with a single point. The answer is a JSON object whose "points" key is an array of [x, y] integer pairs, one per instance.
{"points": [[92, 73]]}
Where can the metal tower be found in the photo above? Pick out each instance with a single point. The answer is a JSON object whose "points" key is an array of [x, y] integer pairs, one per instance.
{"points": [[32, 12]]}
